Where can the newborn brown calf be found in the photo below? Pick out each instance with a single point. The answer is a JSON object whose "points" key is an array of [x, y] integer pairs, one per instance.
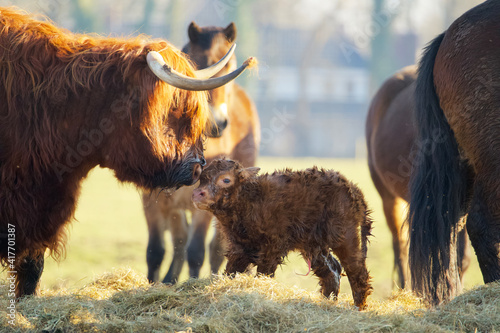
{"points": [[265, 217]]}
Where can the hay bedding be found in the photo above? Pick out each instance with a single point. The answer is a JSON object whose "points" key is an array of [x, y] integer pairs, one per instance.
{"points": [[123, 301]]}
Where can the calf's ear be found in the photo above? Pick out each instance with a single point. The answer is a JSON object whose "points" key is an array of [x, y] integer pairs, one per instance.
{"points": [[249, 172]]}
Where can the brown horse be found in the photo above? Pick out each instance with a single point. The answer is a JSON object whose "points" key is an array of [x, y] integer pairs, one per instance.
{"points": [[458, 120], [71, 102], [236, 134], [390, 138]]}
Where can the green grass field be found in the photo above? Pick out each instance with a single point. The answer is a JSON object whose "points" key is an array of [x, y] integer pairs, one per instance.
{"points": [[110, 232]]}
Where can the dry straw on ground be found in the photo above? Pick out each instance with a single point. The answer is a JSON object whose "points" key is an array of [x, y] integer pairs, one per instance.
{"points": [[123, 301]]}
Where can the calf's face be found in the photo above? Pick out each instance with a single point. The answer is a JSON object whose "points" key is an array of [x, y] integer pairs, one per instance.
{"points": [[219, 181]]}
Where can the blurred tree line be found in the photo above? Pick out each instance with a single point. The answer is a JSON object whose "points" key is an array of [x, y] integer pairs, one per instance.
{"points": [[376, 19], [376, 30]]}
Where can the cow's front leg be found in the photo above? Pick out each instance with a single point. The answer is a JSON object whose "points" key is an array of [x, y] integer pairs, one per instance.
{"points": [[29, 270]]}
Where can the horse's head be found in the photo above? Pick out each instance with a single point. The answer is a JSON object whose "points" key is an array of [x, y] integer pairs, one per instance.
{"points": [[160, 141], [206, 46]]}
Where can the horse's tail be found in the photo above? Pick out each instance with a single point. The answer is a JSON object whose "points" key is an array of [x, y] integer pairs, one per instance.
{"points": [[437, 190]]}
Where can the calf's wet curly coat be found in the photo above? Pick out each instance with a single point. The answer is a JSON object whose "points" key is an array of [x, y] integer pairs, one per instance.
{"points": [[314, 211]]}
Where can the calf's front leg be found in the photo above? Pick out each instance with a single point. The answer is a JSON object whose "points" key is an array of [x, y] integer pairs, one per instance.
{"points": [[267, 268], [268, 260], [237, 263]]}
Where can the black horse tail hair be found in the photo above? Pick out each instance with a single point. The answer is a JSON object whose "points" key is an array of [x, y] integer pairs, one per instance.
{"points": [[438, 188]]}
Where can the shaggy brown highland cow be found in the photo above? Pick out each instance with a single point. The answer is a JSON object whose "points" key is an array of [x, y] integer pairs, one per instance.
{"points": [[314, 211], [71, 102]]}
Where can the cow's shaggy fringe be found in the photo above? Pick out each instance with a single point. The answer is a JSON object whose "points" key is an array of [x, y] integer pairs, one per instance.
{"points": [[124, 301]]}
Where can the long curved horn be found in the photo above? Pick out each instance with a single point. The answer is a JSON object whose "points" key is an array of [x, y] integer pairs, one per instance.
{"points": [[181, 81], [210, 71]]}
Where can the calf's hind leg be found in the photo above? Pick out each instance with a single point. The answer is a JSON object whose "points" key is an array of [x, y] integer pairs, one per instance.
{"points": [[328, 270], [354, 263]]}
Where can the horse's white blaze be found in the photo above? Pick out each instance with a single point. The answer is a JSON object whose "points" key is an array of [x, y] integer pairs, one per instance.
{"points": [[223, 109]]}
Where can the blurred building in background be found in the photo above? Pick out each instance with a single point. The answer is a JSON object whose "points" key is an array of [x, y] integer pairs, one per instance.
{"points": [[320, 61]]}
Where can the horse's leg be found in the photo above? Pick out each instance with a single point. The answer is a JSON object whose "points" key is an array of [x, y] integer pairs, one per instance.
{"points": [[196, 249], [156, 242], [395, 221], [216, 251], [28, 272], [179, 230], [155, 253], [483, 226], [463, 254]]}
